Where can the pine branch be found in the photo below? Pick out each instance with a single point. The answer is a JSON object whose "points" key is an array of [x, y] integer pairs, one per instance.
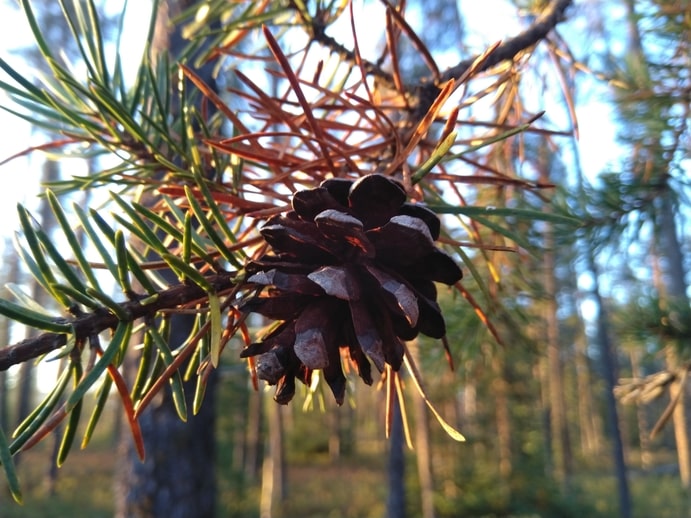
{"points": [[95, 322], [548, 20], [552, 15], [652, 387]]}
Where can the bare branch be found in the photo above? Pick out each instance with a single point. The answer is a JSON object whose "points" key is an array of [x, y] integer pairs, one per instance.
{"points": [[552, 15], [548, 20], [99, 320]]}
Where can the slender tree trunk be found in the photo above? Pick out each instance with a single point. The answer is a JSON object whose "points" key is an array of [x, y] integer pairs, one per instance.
{"points": [[334, 417], [469, 411], [347, 430], [178, 477], [50, 481], [9, 274], [423, 449], [641, 421], [500, 393], [542, 373], [588, 419], [561, 444], [609, 368], [4, 410], [273, 490], [24, 396], [51, 172], [253, 435], [681, 420], [395, 504], [239, 419], [556, 399], [677, 303], [673, 296]]}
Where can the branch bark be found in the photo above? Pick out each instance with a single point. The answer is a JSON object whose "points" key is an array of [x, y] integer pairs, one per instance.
{"points": [[550, 17], [509, 49], [99, 320]]}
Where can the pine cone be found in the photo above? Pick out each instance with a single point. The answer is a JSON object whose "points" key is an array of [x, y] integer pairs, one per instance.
{"points": [[353, 266]]}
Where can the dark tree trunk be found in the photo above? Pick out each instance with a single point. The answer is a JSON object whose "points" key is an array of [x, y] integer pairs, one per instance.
{"points": [[654, 157], [423, 449], [395, 505], [177, 478], [674, 295], [609, 368], [173, 481], [607, 355], [561, 443], [588, 418]]}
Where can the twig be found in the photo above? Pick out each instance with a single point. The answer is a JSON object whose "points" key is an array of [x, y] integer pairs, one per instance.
{"points": [[550, 17], [101, 319], [652, 387]]}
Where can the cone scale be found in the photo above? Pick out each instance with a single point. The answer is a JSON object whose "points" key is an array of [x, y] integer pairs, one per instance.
{"points": [[351, 267]]}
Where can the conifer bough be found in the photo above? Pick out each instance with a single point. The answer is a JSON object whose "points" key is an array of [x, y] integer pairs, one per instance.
{"points": [[352, 267]]}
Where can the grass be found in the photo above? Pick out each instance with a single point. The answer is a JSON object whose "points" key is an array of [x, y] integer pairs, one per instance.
{"points": [[353, 488], [347, 490], [653, 495], [83, 486]]}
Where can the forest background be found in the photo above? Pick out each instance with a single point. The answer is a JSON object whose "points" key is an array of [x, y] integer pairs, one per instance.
{"points": [[560, 314]]}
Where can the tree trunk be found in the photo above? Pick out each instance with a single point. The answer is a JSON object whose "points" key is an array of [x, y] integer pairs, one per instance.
{"points": [[469, 411], [273, 490], [502, 414], [542, 372], [561, 444], [177, 479], [4, 411], [334, 423], [395, 504], [51, 173], [641, 421], [677, 303], [653, 158], [681, 419], [589, 420], [253, 435], [10, 274], [609, 368], [423, 449]]}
